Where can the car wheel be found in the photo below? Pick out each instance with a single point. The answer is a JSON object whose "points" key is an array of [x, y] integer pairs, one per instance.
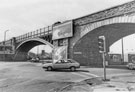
{"points": [[72, 68], [49, 68]]}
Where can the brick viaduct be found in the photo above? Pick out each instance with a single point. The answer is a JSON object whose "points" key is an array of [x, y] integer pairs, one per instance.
{"points": [[114, 23]]}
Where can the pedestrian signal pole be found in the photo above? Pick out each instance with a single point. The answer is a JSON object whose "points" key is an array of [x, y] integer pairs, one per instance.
{"points": [[102, 50]]}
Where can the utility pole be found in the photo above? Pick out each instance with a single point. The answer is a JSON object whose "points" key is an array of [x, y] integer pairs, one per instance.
{"points": [[122, 50]]}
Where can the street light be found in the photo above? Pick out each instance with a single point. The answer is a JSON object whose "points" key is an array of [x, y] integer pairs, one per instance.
{"points": [[5, 44]]}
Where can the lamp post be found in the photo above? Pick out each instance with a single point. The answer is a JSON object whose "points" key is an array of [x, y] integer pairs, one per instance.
{"points": [[5, 44]]}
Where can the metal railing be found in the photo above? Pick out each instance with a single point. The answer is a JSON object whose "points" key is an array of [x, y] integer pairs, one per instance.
{"points": [[38, 33], [7, 42]]}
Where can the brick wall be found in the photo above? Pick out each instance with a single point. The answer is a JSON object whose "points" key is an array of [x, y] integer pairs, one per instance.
{"points": [[85, 49]]}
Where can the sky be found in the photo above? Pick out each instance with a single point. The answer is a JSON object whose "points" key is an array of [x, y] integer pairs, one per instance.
{"points": [[22, 16], [128, 45]]}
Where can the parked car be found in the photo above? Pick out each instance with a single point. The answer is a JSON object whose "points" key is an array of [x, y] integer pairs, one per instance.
{"points": [[34, 60], [62, 64], [131, 66]]}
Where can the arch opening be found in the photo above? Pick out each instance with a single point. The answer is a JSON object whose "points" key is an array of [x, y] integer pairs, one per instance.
{"points": [[87, 46], [124, 47], [41, 52], [24, 47]]}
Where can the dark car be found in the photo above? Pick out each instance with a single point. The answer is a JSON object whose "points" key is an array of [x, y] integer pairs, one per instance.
{"points": [[34, 60], [131, 66]]}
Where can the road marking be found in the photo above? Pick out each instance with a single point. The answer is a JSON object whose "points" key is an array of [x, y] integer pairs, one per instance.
{"points": [[80, 75], [3, 79], [90, 74], [84, 74]]}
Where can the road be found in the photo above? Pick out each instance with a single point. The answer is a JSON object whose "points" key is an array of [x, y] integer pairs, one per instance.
{"points": [[30, 77]]}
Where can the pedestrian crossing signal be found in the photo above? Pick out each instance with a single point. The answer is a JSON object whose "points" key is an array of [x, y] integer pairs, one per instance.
{"points": [[101, 44]]}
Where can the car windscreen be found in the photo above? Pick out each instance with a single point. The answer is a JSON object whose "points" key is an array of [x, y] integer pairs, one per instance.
{"points": [[72, 61]]}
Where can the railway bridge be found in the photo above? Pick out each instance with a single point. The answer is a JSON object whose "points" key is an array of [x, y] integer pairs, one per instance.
{"points": [[80, 35]]}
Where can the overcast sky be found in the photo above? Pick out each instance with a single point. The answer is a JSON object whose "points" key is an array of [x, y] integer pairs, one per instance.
{"points": [[22, 16]]}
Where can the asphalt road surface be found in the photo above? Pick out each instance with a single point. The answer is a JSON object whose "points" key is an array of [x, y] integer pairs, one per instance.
{"points": [[31, 77]]}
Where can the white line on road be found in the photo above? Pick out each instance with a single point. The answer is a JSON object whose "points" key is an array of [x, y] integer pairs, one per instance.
{"points": [[90, 74], [80, 75], [84, 74]]}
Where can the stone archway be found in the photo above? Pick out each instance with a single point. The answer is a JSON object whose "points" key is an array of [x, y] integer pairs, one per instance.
{"points": [[88, 44], [23, 48]]}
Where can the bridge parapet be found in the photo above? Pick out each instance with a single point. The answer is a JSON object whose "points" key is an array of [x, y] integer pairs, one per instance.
{"points": [[8, 42], [11, 44], [116, 11], [38, 33]]}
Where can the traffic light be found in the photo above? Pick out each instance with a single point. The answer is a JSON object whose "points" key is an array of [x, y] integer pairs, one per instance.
{"points": [[101, 44]]}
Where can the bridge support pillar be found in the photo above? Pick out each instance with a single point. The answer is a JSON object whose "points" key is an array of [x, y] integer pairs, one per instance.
{"points": [[21, 56]]}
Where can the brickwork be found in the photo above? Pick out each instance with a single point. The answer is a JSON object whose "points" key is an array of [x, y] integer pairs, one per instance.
{"points": [[6, 57], [24, 47], [85, 50], [113, 23]]}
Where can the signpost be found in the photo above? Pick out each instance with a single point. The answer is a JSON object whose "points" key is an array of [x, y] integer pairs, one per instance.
{"points": [[102, 50]]}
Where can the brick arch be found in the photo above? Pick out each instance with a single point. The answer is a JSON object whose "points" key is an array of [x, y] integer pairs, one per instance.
{"points": [[35, 39], [120, 19], [83, 30], [88, 44], [23, 48]]}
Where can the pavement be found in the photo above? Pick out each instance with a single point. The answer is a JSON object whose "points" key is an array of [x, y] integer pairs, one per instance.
{"points": [[123, 81], [117, 82]]}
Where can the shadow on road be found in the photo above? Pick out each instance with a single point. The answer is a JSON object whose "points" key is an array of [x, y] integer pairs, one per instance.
{"points": [[66, 70]]}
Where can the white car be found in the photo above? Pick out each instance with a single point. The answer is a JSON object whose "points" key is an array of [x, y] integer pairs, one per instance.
{"points": [[62, 64], [131, 66]]}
